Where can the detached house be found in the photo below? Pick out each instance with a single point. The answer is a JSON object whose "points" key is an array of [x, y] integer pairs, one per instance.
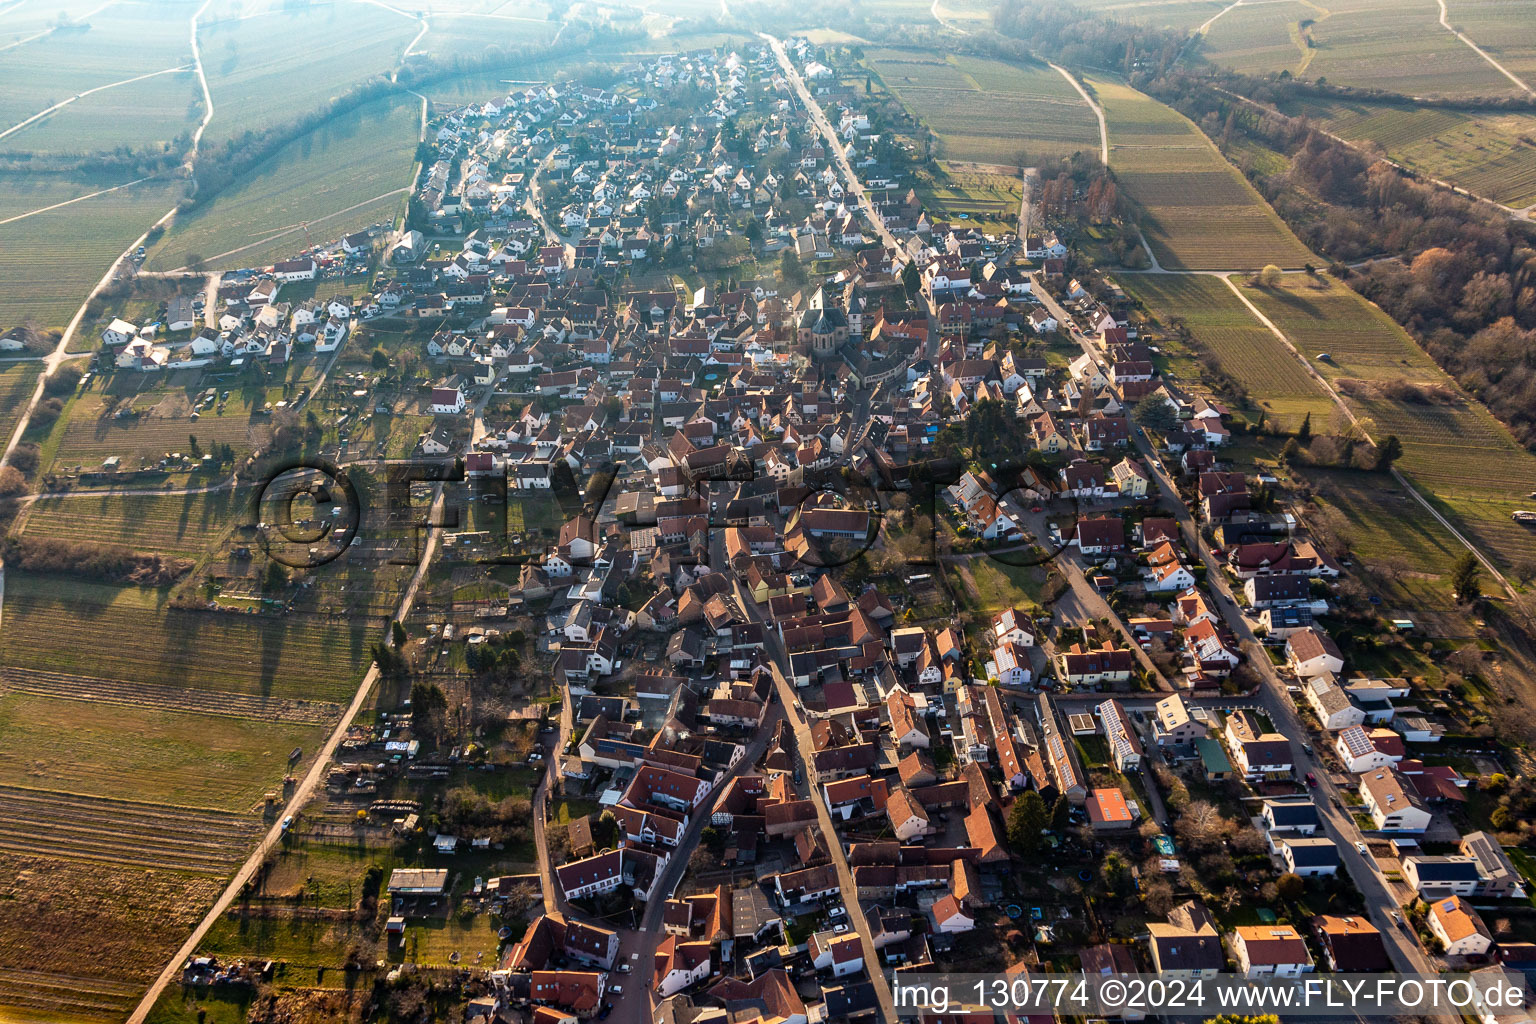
{"points": [[1270, 950]]}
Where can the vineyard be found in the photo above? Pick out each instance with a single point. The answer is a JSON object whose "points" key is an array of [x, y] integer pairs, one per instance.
{"points": [[159, 756], [1248, 352], [81, 939], [1183, 14], [988, 111], [169, 698], [152, 111], [355, 158], [1504, 28], [50, 262], [108, 831], [17, 382], [1486, 152], [1198, 213], [1384, 523], [1400, 46], [49, 69], [172, 524], [271, 70], [1453, 447], [105, 631], [1259, 40]]}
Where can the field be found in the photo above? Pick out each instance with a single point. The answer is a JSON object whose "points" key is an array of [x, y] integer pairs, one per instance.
{"points": [[87, 433], [170, 524], [990, 201], [1260, 39], [1384, 525], [178, 758], [360, 163], [107, 631], [1247, 351], [37, 74], [1453, 447], [1484, 152], [51, 261], [1199, 213], [1504, 28], [469, 36], [17, 382], [988, 111], [136, 115], [272, 70], [81, 939], [1399, 45], [990, 586], [1183, 14]]}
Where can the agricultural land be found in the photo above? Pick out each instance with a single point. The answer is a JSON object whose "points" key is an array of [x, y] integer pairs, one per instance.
{"points": [[1199, 213], [988, 111]]}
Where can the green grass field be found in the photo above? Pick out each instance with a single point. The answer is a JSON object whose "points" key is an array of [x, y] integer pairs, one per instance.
{"points": [[988, 111], [1485, 152], [51, 261], [989, 201], [1453, 447], [357, 163], [114, 632], [166, 757], [1199, 213], [1384, 524], [172, 524], [1222, 325]]}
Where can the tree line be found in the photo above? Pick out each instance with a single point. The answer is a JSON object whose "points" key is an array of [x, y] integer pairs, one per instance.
{"points": [[1458, 273]]}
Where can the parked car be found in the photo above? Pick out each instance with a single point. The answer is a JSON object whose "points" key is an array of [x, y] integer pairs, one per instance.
{"points": [[1311, 780]]}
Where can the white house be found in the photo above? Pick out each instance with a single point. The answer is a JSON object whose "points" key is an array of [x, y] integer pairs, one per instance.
{"points": [[1393, 804], [1358, 752], [1011, 661], [1270, 951], [1311, 652], [119, 332], [447, 401], [680, 964], [295, 270], [1456, 924]]}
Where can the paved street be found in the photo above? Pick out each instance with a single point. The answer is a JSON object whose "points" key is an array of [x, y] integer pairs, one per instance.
{"points": [[1276, 702]]}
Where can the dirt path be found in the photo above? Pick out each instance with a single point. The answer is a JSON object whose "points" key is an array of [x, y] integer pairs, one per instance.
{"points": [[77, 199], [301, 795], [295, 228], [1343, 406], [1445, 23], [18, 126], [1093, 105]]}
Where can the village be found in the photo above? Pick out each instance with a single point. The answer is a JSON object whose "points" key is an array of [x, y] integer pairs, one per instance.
{"points": [[880, 604]]}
